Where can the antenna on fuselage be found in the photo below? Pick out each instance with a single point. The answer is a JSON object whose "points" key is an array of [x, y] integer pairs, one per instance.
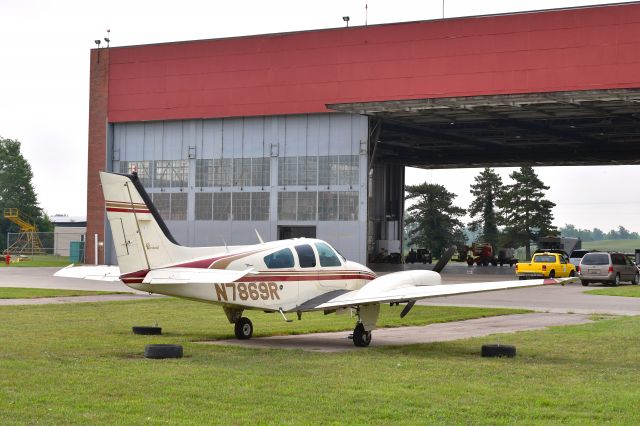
{"points": [[258, 235], [225, 244]]}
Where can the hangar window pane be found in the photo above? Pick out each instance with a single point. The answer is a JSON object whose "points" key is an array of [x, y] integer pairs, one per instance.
{"points": [[348, 205], [179, 206], [162, 175], [328, 205], [307, 202], [241, 171], [348, 174], [222, 172], [287, 171], [180, 174], [204, 203], [287, 206], [241, 206], [328, 170], [221, 205], [143, 168], [307, 171], [260, 172], [280, 259], [162, 201], [260, 206], [204, 173]]}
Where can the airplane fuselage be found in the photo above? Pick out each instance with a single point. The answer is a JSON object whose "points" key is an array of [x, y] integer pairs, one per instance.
{"points": [[266, 286]]}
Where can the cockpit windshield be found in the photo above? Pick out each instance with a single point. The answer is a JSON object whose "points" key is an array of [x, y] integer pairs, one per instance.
{"points": [[327, 255]]}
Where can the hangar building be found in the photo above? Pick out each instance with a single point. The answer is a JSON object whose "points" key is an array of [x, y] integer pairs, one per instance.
{"points": [[308, 133]]}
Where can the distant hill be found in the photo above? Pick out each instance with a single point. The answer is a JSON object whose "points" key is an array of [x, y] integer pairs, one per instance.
{"points": [[626, 246]]}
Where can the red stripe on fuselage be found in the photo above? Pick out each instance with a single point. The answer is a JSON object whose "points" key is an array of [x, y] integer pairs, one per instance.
{"points": [[305, 277], [120, 210]]}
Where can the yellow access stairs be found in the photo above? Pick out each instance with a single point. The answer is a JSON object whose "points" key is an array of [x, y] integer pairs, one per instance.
{"points": [[28, 241]]}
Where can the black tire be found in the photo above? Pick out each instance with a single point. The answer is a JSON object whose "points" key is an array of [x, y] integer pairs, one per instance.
{"points": [[522, 278], [616, 280], [584, 283], [572, 274], [498, 351], [243, 328], [636, 279], [147, 330], [361, 338], [162, 351], [552, 274]]}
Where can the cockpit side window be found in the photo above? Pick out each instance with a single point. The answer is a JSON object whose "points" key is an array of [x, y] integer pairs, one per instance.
{"points": [[279, 259], [306, 256], [327, 255]]}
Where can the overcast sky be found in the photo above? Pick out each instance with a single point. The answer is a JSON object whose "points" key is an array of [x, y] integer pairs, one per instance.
{"points": [[44, 85]]}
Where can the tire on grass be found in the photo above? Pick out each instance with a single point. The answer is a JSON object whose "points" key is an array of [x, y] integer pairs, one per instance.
{"points": [[498, 350], [162, 351], [146, 330]]}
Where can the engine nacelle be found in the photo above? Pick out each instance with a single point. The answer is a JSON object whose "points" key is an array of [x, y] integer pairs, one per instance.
{"points": [[401, 279]]}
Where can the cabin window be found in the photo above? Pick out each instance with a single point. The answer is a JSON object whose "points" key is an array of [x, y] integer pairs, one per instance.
{"points": [[306, 256], [327, 255], [280, 259]]}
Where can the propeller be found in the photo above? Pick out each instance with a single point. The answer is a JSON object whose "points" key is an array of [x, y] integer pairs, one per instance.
{"points": [[444, 259]]}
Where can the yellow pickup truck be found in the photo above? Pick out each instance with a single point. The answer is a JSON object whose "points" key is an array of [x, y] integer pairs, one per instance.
{"points": [[545, 265]]}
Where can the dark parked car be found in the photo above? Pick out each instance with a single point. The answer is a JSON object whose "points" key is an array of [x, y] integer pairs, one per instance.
{"points": [[420, 255]]}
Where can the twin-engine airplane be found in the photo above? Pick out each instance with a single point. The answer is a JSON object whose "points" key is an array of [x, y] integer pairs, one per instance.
{"points": [[297, 275]]}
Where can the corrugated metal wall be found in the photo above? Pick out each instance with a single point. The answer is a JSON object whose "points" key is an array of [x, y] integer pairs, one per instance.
{"points": [[193, 167]]}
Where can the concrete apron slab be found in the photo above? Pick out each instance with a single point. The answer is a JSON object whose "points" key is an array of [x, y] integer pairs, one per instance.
{"points": [[339, 341]]}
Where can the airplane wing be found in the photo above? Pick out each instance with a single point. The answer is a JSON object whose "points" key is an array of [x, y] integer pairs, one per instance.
{"points": [[156, 276], [412, 289], [193, 276], [98, 272]]}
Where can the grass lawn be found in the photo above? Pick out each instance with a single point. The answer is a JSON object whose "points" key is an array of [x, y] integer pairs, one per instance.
{"points": [[625, 246], [38, 260], [626, 291], [80, 364], [32, 293]]}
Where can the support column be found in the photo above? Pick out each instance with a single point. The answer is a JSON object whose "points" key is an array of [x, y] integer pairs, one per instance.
{"points": [[97, 147]]}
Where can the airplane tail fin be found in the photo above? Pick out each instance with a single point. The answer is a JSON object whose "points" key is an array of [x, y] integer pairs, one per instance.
{"points": [[141, 238]]}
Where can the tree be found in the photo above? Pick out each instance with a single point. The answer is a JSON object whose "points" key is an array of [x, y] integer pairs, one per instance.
{"points": [[486, 190], [16, 189], [526, 213], [432, 221]]}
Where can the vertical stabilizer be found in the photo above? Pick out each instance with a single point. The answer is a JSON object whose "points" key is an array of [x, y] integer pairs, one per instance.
{"points": [[141, 238]]}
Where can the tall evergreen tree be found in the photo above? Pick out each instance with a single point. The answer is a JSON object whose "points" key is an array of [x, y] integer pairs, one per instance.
{"points": [[526, 213], [483, 211], [16, 189], [433, 219]]}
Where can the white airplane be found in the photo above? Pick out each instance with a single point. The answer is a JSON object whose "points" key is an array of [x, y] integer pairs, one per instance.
{"points": [[297, 275]]}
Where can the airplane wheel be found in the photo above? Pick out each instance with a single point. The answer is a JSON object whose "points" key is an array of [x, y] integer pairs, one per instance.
{"points": [[162, 351], [498, 351], [244, 328], [361, 338], [146, 330]]}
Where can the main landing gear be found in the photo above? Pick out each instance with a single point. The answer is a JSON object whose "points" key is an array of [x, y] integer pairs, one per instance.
{"points": [[361, 338], [367, 318], [243, 327]]}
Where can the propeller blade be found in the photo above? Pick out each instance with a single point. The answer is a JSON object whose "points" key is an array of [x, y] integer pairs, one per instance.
{"points": [[444, 259], [407, 308]]}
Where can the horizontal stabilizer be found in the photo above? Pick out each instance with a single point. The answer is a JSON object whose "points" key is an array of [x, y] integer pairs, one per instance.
{"points": [[98, 272]]}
